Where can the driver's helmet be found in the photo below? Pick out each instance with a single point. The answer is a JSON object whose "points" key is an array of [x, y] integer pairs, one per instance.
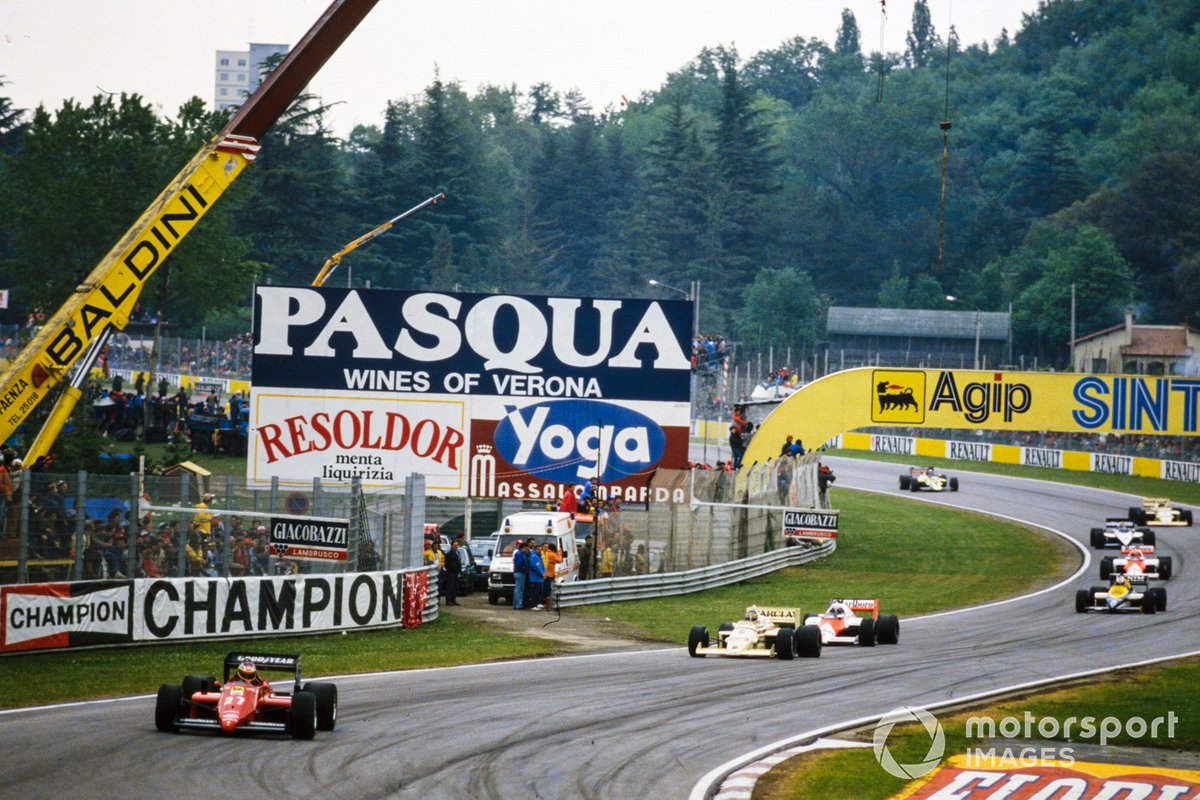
{"points": [[929, 471], [1120, 580], [246, 671], [752, 614], [837, 610], [1135, 555]]}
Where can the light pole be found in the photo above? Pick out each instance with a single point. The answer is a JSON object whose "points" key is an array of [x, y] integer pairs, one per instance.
{"points": [[693, 295], [978, 314]]}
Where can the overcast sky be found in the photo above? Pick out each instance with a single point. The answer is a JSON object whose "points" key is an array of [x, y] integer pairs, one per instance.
{"points": [[164, 50]]}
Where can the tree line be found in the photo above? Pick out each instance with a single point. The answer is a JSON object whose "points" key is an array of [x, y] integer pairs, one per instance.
{"points": [[804, 176]]}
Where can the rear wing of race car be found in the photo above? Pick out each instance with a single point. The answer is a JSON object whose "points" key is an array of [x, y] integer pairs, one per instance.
{"points": [[782, 617], [1145, 549], [263, 662], [1155, 502], [1117, 522], [871, 605]]}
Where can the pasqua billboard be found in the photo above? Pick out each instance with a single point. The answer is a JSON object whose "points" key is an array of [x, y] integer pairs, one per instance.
{"points": [[487, 395]]}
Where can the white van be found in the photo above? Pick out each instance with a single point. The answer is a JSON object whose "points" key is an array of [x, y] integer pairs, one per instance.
{"points": [[557, 527]]}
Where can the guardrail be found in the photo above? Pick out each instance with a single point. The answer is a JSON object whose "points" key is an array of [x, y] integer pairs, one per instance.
{"points": [[637, 587]]}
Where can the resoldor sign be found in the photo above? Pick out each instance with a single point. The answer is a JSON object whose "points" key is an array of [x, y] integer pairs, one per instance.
{"points": [[495, 395]]}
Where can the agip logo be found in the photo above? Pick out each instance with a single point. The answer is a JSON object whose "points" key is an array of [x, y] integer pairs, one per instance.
{"points": [[899, 396], [567, 441]]}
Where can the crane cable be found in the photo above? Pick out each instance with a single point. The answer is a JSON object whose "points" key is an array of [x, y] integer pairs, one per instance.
{"points": [[945, 125]]}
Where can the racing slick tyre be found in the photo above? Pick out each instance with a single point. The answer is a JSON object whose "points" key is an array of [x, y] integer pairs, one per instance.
{"points": [[954, 484], [326, 694], [1185, 517], [1083, 599], [1097, 538], [1106, 568], [1149, 602], [1138, 515], [725, 626], [1160, 599], [302, 720], [785, 644], [167, 707], [867, 636], [1149, 538], [914, 486], [697, 638], [888, 629], [807, 640], [905, 482], [1164, 568], [197, 683]]}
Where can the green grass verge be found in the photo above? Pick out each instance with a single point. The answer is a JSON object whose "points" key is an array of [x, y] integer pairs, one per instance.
{"points": [[1178, 491], [39, 678], [915, 559], [855, 775]]}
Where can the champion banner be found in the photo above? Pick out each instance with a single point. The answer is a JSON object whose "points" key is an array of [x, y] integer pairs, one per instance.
{"points": [[64, 615], [491, 395], [51, 615]]}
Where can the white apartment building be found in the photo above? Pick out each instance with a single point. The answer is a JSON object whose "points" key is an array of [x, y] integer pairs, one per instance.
{"points": [[238, 72]]}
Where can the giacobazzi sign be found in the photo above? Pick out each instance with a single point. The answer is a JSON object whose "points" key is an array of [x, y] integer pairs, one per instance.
{"points": [[491, 395], [310, 539], [800, 523]]}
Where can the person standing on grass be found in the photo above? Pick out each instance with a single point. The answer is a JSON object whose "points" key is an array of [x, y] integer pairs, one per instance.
{"points": [[552, 559], [520, 574], [537, 574]]}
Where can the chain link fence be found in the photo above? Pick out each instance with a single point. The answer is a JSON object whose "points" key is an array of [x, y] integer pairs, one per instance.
{"points": [[90, 527]]}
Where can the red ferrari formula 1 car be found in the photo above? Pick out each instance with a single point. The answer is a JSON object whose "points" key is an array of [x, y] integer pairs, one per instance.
{"points": [[244, 701]]}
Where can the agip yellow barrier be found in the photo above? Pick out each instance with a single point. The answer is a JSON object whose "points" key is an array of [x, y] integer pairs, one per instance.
{"points": [[977, 400]]}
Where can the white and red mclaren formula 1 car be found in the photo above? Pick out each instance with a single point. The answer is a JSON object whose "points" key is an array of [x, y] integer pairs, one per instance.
{"points": [[245, 701], [1120, 597], [1138, 564], [1121, 532], [762, 632], [840, 624], [1159, 511]]}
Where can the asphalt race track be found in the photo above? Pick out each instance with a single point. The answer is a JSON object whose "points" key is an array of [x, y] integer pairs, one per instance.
{"points": [[639, 724]]}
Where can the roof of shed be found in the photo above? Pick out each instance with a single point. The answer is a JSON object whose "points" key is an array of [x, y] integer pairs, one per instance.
{"points": [[993, 325]]}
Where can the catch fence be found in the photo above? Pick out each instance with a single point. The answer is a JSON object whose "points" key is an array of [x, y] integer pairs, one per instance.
{"points": [[90, 527]]}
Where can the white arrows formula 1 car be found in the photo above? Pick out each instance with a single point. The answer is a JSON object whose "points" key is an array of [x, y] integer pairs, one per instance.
{"points": [[1138, 564], [763, 632], [1122, 533], [841, 625]]}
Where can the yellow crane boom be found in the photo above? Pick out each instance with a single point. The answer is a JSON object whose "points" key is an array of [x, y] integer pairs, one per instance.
{"points": [[106, 298], [334, 260]]}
